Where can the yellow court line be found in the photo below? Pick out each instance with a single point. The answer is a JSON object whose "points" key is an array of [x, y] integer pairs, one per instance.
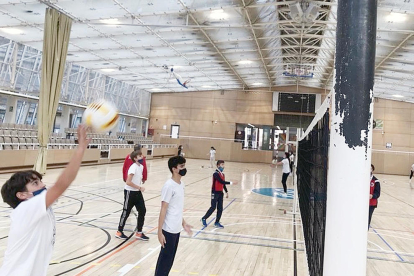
{"points": [[193, 273]]}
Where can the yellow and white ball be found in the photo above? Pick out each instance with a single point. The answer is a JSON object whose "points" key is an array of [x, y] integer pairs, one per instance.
{"points": [[101, 116]]}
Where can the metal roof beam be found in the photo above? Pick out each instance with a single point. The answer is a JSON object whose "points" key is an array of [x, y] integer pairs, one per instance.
{"points": [[213, 44], [259, 50]]}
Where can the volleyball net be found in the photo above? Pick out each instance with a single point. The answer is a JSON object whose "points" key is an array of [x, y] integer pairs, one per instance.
{"points": [[312, 176]]}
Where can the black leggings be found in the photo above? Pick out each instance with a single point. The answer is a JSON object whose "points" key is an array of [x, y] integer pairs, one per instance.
{"points": [[167, 254], [131, 199], [216, 200], [371, 211], [284, 179], [411, 175]]}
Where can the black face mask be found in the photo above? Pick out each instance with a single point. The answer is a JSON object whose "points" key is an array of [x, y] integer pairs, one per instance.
{"points": [[38, 192], [182, 172]]}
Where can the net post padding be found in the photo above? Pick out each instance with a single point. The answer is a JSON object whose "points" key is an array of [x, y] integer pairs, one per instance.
{"points": [[312, 176]]}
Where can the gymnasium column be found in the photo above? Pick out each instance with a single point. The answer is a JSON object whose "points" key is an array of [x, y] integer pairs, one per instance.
{"points": [[350, 140], [65, 119], [128, 123], [11, 110]]}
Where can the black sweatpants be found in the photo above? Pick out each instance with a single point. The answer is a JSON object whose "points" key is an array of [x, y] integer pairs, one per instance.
{"points": [[371, 211], [216, 201], [167, 254], [411, 175], [131, 199], [291, 166], [284, 179]]}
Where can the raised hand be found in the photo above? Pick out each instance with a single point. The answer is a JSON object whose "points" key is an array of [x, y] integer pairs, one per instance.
{"points": [[83, 139]]}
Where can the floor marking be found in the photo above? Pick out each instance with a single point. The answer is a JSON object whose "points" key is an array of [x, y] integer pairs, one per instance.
{"points": [[204, 227], [128, 267], [388, 245], [376, 245], [113, 253]]}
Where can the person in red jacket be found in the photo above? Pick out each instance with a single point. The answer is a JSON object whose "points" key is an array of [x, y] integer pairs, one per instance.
{"points": [[128, 162], [219, 184], [374, 194]]}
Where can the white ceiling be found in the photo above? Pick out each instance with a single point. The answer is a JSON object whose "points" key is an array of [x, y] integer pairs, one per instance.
{"points": [[217, 44]]}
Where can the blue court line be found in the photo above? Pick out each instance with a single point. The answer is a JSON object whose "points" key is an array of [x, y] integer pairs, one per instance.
{"points": [[204, 227], [387, 244]]}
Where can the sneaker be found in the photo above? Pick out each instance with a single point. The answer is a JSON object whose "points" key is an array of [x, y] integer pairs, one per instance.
{"points": [[120, 235], [218, 225], [204, 222], [141, 236]]}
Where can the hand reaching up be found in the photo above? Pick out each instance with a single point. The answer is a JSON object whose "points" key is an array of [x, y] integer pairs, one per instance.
{"points": [[83, 140]]}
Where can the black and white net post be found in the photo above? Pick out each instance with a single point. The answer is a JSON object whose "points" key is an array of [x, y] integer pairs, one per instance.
{"points": [[350, 140]]}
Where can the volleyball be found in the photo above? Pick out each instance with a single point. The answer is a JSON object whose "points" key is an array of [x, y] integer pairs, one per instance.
{"points": [[101, 116]]}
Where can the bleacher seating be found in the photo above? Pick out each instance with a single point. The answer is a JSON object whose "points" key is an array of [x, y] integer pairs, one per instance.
{"points": [[19, 136], [135, 138]]}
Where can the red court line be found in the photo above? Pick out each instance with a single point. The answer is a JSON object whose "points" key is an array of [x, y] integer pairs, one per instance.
{"points": [[110, 255], [116, 251]]}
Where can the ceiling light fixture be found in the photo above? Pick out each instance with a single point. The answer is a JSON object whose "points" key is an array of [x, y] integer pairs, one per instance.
{"points": [[110, 21], [245, 62], [219, 15], [11, 30], [398, 96], [206, 86], [108, 70], [396, 17], [257, 83]]}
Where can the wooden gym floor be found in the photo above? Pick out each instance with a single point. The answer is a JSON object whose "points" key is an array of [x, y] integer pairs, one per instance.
{"points": [[257, 238]]}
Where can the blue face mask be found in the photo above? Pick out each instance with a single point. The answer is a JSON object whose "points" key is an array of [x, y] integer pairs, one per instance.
{"points": [[140, 161], [38, 192], [221, 169]]}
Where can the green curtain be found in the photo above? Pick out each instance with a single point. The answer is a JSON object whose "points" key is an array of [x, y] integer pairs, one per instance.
{"points": [[55, 47]]}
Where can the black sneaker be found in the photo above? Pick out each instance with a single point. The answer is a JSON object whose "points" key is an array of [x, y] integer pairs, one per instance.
{"points": [[120, 235], [141, 236]]}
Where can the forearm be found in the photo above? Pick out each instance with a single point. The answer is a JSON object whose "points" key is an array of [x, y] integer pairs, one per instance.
{"points": [[376, 193], [161, 219], [129, 183], [221, 181]]}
